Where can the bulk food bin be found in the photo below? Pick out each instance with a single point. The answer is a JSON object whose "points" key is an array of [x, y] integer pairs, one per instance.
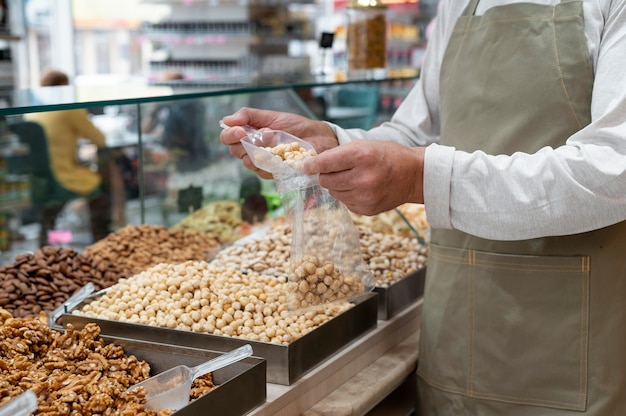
{"points": [[285, 363]]}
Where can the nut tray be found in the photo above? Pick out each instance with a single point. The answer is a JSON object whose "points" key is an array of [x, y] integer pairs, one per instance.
{"points": [[285, 363], [399, 295], [241, 386]]}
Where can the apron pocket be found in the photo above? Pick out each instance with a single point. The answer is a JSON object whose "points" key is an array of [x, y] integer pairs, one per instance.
{"points": [[521, 326]]}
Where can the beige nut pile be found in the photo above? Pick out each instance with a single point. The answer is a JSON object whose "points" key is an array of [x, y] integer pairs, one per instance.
{"points": [[268, 254], [291, 153], [390, 222], [204, 297], [391, 257], [315, 282]]}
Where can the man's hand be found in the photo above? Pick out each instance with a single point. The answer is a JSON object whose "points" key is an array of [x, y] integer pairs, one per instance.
{"points": [[371, 177], [319, 134]]}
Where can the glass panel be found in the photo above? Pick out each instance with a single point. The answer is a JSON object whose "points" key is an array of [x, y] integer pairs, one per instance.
{"points": [[186, 168], [83, 96], [158, 174], [62, 188]]}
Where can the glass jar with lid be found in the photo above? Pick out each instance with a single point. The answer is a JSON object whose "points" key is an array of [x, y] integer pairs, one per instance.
{"points": [[366, 38]]}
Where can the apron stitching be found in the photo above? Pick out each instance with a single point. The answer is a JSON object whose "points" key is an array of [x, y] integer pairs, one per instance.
{"points": [[470, 341], [502, 398], [558, 65], [520, 400], [584, 330], [509, 266]]}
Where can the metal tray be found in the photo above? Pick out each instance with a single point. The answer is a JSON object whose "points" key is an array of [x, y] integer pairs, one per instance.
{"points": [[241, 386], [285, 363], [396, 297]]}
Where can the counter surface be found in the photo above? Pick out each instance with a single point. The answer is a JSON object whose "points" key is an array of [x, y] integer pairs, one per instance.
{"points": [[356, 378]]}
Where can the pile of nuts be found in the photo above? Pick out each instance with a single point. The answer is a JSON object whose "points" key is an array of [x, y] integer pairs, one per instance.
{"points": [[204, 297], [71, 372], [391, 257], [315, 282], [391, 222], [268, 254], [220, 218], [42, 281], [291, 153], [135, 248]]}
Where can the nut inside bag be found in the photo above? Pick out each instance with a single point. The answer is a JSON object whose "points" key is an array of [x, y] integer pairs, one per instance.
{"points": [[326, 263]]}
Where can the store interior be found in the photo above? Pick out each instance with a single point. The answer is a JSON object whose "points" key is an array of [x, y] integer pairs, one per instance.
{"points": [[154, 187], [136, 45]]}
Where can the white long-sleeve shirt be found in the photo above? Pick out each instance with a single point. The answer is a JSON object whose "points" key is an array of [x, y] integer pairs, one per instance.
{"points": [[502, 197]]}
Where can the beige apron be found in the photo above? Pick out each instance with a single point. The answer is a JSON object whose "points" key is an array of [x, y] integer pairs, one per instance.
{"points": [[534, 327]]}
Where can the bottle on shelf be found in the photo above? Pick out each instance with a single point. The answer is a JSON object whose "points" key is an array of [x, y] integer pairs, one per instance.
{"points": [[366, 38]]}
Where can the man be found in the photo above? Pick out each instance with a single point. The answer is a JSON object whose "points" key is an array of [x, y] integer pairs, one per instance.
{"points": [[514, 138]]}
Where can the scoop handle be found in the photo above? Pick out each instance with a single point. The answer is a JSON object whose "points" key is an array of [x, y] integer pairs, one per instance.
{"points": [[221, 361], [74, 300], [23, 404]]}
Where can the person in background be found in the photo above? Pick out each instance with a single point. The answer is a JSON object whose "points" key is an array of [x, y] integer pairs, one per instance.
{"points": [[181, 126], [63, 130], [514, 138]]}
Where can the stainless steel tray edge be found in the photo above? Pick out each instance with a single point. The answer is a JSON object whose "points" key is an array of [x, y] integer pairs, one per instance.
{"points": [[399, 295], [317, 346], [241, 386]]}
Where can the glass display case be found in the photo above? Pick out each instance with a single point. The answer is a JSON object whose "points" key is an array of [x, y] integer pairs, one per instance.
{"points": [[162, 159]]}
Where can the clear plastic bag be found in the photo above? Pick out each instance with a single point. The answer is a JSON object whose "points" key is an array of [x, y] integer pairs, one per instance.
{"points": [[326, 263]]}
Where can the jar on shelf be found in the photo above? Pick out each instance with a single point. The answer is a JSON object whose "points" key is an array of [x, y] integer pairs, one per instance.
{"points": [[366, 38]]}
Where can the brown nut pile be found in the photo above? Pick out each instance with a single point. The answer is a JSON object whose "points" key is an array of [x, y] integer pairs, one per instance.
{"points": [[315, 282], [135, 248], [204, 297], [71, 372], [291, 153], [74, 372], [391, 257], [42, 281]]}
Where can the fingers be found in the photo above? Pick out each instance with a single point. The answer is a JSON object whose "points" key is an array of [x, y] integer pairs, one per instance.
{"points": [[337, 159], [370, 177], [232, 138]]}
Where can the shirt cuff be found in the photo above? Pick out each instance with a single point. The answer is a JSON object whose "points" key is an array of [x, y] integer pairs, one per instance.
{"points": [[438, 162], [342, 136]]}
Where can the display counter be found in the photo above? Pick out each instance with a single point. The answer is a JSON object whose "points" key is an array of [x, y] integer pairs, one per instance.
{"points": [[160, 190]]}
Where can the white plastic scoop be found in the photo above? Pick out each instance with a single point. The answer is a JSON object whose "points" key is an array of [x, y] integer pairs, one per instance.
{"points": [[170, 389], [22, 405]]}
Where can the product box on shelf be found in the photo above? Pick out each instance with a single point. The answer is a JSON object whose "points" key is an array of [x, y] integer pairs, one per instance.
{"points": [[285, 363]]}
